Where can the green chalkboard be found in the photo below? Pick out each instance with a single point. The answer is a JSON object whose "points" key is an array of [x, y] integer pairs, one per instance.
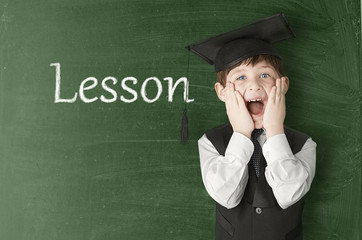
{"points": [[90, 115]]}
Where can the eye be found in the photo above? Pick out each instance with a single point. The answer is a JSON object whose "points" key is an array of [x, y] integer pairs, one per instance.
{"points": [[241, 78], [264, 75]]}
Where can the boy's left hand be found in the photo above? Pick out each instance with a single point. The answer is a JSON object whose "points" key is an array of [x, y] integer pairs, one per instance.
{"points": [[274, 113]]}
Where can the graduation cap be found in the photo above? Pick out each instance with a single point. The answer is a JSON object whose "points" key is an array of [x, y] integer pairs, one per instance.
{"points": [[230, 48]]}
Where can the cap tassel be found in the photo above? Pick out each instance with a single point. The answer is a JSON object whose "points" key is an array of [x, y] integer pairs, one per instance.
{"points": [[185, 121], [184, 127]]}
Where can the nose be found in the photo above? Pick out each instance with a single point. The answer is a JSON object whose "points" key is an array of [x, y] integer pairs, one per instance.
{"points": [[254, 85]]}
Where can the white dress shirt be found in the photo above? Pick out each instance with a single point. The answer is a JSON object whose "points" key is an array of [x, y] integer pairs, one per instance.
{"points": [[225, 177]]}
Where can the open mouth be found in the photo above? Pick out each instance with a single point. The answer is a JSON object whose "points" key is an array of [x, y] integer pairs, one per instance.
{"points": [[255, 106]]}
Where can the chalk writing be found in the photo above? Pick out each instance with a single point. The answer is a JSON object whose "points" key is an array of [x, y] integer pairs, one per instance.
{"points": [[107, 83]]}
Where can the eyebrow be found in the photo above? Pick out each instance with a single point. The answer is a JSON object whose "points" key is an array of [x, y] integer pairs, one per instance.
{"points": [[244, 69], [266, 66], [237, 70]]}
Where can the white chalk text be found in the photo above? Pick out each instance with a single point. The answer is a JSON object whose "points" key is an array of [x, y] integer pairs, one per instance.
{"points": [[108, 85]]}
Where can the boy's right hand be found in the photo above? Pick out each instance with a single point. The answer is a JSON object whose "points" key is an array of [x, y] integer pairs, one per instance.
{"points": [[237, 111]]}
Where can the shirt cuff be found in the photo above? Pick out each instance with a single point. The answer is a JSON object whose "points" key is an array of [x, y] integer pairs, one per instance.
{"points": [[277, 148], [240, 146]]}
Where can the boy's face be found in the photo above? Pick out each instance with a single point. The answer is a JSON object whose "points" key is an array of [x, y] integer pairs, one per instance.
{"points": [[254, 84]]}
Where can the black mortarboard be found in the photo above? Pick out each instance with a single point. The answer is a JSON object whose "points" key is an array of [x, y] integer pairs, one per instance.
{"points": [[230, 48]]}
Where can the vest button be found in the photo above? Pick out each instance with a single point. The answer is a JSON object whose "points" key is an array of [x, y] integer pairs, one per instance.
{"points": [[258, 210]]}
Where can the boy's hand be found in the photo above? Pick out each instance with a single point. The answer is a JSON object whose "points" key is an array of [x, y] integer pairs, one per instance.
{"points": [[274, 113], [237, 112]]}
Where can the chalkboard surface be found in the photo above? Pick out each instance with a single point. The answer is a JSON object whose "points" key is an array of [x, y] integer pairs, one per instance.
{"points": [[89, 129]]}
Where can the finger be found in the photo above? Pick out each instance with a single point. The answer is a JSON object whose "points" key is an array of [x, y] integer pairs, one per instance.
{"points": [[282, 89], [230, 101], [282, 85], [228, 91], [271, 99], [240, 99], [232, 96], [278, 90]]}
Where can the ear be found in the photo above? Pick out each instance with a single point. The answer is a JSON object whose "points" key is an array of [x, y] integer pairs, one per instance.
{"points": [[220, 91], [287, 84]]}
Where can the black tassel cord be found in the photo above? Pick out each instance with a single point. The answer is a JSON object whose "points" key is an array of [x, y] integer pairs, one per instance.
{"points": [[184, 121], [184, 127]]}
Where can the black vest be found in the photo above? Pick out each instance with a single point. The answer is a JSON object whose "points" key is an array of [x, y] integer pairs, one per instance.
{"points": [[258, 216]]}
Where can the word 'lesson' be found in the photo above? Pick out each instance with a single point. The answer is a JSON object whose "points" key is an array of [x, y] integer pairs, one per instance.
{"points": [[107, 83]]}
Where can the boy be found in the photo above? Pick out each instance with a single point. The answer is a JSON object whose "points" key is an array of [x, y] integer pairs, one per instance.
{"points": [[257, 170]]}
